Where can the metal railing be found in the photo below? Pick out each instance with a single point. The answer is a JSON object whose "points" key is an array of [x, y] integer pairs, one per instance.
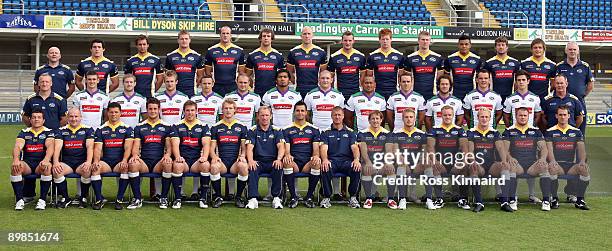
{"points": [[243, 11]]}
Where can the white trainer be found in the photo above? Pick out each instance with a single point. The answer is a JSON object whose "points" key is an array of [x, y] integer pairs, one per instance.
{"points": [[19, 205], [41, 205], [367, 204], [277, 203], [514, 205], [402, 204], [252, 204], [545, 206], [430, 204]]}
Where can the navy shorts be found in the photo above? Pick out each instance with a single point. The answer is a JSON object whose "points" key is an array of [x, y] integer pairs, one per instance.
{"points": [[32, 163], [75, 163], [151, 162], [228, 162], [566, 165], [301, 163], [344, 167], [265, 167], [111, 162], [190, 161]]}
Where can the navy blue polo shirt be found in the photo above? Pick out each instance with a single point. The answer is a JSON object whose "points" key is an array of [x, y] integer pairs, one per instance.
{"points": [[61, 76], [265, 142], [307, 63], [54, 108], [264, 65], [301, 139], [540, 74], [225, 62], [339, 143], [424, 67], [186, 66], [552, 101], [112, 138], [145, 68], [577, 77], [565, 142], [386, 66], [463, 68], [104, 67], [347, 68], [523, 144], [502, 73], [74, 140]]}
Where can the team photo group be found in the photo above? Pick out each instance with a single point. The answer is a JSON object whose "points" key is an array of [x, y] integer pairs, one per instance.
{"points": [[228, 114]]}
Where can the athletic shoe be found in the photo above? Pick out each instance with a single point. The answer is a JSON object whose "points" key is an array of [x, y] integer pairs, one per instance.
{"points": [[293, 203], [533, 199], [545, 206], [118, 205], [309, 203], [63, 203], [325, 203], [353, 202], [155, 198], [19, 205], [554, 203], [506, 207], [194, 197], [217, 202], [176, 204], [98, 205], [581, 204], [439, 203], [267, 198], [391, 204], [367, 204], [136, 203], [402, 204], [163, 203], [252, 204], [430, 204], [571, 199], [203, 204], [338, 197], [277, 203], [240, 202], [478, 207], [463, 203], [514, 205], [83, 202], [229, 197]]}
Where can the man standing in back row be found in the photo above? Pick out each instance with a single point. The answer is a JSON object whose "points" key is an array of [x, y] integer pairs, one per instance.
{"points": [[385, 64], [188, 65], [305, 61], [224, 61], [425, 65]]}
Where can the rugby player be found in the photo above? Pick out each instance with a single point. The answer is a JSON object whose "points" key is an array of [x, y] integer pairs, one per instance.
{"points": [[112, 149], [171, 100], [348, 66], [566, 150], [74, 147], [405, 99], [281, 100], [560, 97], [33, 150], [92, 101], [482, 97], [227, 153], [408, 139], [444, 98], [146, 68], [152, 151], [320, 101], [448, 140], [247, 102], [339, 153], [373, 141], [502, 68], [133, 104], [61, 75], [51, 103], [541, 69], [301, 154], [264, 62], [264, 153], [580, 78], [305, 61], [224, 61], [361, 104], [425, 65], [527, 153], [522, 97], [463, 66], [209, 102], [486, 144], [187, 63], [103, 67], [190, 148], [385, 64]]}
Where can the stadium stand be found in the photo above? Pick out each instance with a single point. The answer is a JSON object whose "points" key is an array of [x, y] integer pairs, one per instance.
{"points": [[584, 14], [187, 9], [345, 11]]}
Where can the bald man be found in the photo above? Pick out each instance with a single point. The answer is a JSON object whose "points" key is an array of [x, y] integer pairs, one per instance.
{"points": [[305, 61], [61, 75]]}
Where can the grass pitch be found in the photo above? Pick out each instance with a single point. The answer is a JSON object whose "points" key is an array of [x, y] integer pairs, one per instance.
{"points": [[336, 228]]}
